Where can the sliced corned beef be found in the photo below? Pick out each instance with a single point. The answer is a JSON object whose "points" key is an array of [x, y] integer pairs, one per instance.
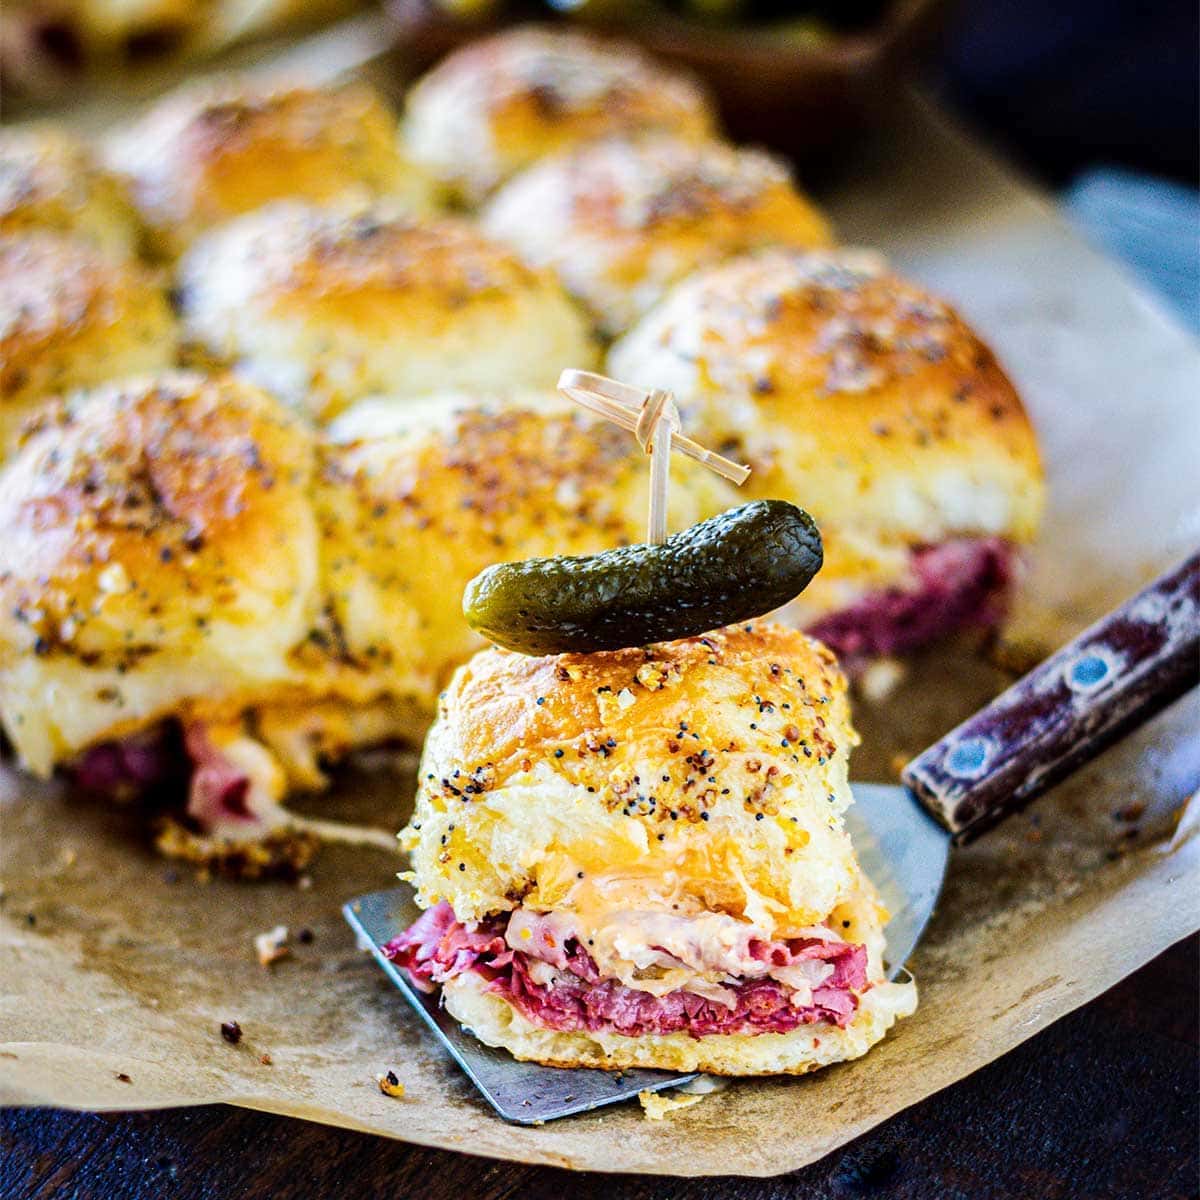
{"points": [[438, 947], [960, 584], [172, 760], [133, 766]]}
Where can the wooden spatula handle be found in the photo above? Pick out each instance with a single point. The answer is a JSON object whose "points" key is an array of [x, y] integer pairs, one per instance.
{"points": [[1110, 679]]}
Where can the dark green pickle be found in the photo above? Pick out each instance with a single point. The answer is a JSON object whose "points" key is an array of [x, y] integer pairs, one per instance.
{"points": [[741, 564]]}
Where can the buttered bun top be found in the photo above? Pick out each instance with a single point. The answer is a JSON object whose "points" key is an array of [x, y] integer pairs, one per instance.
{"points": [[503, 102], [160, 545], [423, 497], [49, 181], [216, 149], [862, 397], [325, 307], [623, 219], [71, 317]]}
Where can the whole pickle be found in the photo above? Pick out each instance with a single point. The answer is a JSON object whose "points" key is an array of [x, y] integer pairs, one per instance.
{"points": [[740, 564]]}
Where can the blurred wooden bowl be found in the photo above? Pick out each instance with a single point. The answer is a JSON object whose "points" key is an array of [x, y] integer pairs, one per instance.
{"points": [[782, 85]]}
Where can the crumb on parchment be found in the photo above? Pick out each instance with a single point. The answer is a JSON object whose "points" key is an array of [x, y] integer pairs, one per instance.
{"points": [[881, 678], [272, 945], [657, 1105]]}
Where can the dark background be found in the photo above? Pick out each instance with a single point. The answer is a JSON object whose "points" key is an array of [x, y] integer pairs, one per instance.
{"points": [[1072, 84]]}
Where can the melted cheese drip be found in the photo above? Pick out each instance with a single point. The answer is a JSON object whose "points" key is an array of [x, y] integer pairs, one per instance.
{"points": [[651, 933]]}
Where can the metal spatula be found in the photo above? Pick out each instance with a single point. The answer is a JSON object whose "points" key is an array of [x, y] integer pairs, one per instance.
{"points": [[1105, 683]]}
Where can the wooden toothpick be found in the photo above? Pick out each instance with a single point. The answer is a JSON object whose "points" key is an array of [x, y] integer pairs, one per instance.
{"points": [[651, 416]]}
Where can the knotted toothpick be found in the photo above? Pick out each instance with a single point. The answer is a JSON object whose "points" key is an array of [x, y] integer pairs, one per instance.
{"points": [[651, 416]]}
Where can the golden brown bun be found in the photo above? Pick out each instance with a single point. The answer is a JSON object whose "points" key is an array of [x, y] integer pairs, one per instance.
{"points": [[503, 102], [621, 220], [183, 547], [326, 307], [221, 148], [420, 498], [70, 317], [495, 1022], [49, 181], [852, 393], [159, 545], [720, 762]]}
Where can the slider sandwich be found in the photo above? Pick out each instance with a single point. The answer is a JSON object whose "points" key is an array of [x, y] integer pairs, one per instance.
{"points": [[629, 836], [639, 858]]}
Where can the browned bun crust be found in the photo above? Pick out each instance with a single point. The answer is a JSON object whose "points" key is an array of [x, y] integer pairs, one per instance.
{"points": [[219, 148], [325, 307], [853, 393], [49, 181], [510, 706], [159, 544], [417, 499], [621, 220], [503, 102], [720, 760], [71, 317]]}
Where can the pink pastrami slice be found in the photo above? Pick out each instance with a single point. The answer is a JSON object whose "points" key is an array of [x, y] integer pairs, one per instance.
{"points": [[166, 757], [960, 584], [438, 947], [132, 766]]}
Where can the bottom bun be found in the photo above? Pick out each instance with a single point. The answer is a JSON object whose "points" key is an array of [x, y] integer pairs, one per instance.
{"points": [[496, 1023]]}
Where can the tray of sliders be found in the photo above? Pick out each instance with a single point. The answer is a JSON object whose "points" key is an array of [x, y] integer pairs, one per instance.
{"points": [[278, 382]]}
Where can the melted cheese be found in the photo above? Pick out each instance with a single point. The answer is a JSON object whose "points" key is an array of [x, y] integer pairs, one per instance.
{"points": [[650, 934]]}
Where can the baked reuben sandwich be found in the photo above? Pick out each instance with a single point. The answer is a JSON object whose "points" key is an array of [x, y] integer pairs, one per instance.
{"points": [[637, 857], [628, 836], [876, 404]]}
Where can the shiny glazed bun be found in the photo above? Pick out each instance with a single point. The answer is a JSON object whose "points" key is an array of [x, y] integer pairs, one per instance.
{"points": [[690, 739], [160, 547], [621, 220], [49, 181], [503, 102], [417, 499], [220, 148], [860, 397], [326, 307], [72, 317]]}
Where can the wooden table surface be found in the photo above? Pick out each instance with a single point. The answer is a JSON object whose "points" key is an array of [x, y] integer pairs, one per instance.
{"points": [[1103, 1104]]}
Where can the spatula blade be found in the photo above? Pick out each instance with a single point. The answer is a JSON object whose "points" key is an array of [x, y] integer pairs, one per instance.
{"points": [[522, 1092], [904, 851], [901, 848]]}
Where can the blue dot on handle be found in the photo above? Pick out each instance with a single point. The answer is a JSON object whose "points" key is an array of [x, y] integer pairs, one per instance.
{"points": [[968, 757], [1087, 672]]}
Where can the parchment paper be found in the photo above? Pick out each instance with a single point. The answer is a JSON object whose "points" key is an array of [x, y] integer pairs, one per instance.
{"points": [[118, 970]]}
